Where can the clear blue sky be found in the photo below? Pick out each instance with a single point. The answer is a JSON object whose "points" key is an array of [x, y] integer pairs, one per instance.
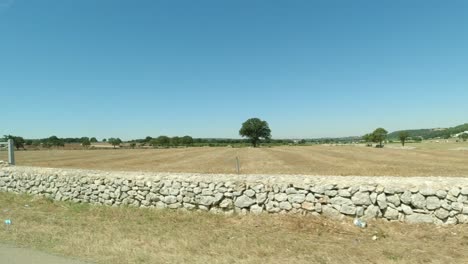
{"points": [[129, 69]]}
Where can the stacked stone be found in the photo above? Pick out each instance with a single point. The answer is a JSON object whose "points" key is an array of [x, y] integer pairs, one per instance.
{"points": [[415, 205]]}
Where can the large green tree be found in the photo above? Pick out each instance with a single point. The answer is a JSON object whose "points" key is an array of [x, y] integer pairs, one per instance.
{"points": [[187, 141], [161, 141], [255, 129], [403, 136], [114, 141], [379, 135], [86, 142]]}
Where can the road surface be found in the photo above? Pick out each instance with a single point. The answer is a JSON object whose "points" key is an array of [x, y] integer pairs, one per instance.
{"points": [[15, 255]]}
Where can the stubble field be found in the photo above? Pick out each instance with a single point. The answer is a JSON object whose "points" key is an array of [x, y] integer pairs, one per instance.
{"points": [[418, 160]]}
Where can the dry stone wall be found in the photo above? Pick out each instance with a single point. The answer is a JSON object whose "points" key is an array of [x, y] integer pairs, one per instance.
{"points": [[414, 199]]}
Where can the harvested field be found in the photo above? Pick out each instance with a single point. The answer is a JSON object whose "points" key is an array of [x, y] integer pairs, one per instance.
{"points": [[313, 160], [135, 235]]}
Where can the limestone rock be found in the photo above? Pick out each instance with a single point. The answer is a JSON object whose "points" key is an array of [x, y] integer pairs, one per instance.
{"points": [[244, 201], [371, 212], [418, 201], [361, 198], [344, 193], [455, 191], [340, 201], [348, 209], [441, 213], [391, 214], [332, 213], [464, 191], [285, 206], [249, 193], [406, 209], [441, 194], [419, 218], [261, 198], [206, 200], [394, 199], [281, 197], [308, 206], [406, 197], [432, 202], [296, 198], [310, 198], [256, 209], [427, 191]]}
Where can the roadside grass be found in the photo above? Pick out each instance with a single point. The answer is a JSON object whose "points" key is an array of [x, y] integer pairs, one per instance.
{"points": [[135, 235]]}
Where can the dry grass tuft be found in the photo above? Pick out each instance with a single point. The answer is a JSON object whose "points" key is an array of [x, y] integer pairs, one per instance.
{"points": [[133, 235]]}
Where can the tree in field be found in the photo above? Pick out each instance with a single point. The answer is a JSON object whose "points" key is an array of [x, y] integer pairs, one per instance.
{"points": [[463, 136], [161, 141], [114, 141], [93, 140], [85, 143], [133, 145], [368, 139], [404, 135], [17, 141], [255, 129], [379, 135], [54, 141], [104, 140], [175, 141], [187, 141]]}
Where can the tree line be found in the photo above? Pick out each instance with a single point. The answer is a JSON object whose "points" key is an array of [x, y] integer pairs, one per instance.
{"points": [[254, 132]]}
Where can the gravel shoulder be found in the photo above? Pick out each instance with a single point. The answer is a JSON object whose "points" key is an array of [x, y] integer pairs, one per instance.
{"points": [[14, 255]]}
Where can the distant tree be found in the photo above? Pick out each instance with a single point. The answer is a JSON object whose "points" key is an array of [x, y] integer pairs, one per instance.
{"points": [[115, 141], [403, 136], [85, 143], [133, 145], [368, 138], [36, 143], [379, 135], [104, 140], [28, 142], [255, 129], [161, 141], [148, 139], [54, 141], [463, 136], [93, 140], [302, 141], [17, 141], [187, 140], [175, 141]]}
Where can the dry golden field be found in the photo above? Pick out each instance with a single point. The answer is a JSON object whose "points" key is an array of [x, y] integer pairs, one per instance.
{"points": [[137, 235], [426, 159]]}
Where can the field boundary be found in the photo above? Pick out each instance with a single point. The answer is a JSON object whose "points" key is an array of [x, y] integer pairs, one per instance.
{"points": [[438, 200]]}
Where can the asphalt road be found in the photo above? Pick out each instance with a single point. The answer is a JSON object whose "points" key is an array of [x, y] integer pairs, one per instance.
{"points": [[15, 255]]}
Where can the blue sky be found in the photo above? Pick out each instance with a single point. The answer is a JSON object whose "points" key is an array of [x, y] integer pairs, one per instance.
{"points": [[129, 69]]}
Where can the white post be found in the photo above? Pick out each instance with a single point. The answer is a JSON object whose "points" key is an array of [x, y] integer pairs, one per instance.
{"points": [[11, 152]]}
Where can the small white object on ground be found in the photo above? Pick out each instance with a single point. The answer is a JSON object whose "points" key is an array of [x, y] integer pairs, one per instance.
{"points": [[360, 223]]}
